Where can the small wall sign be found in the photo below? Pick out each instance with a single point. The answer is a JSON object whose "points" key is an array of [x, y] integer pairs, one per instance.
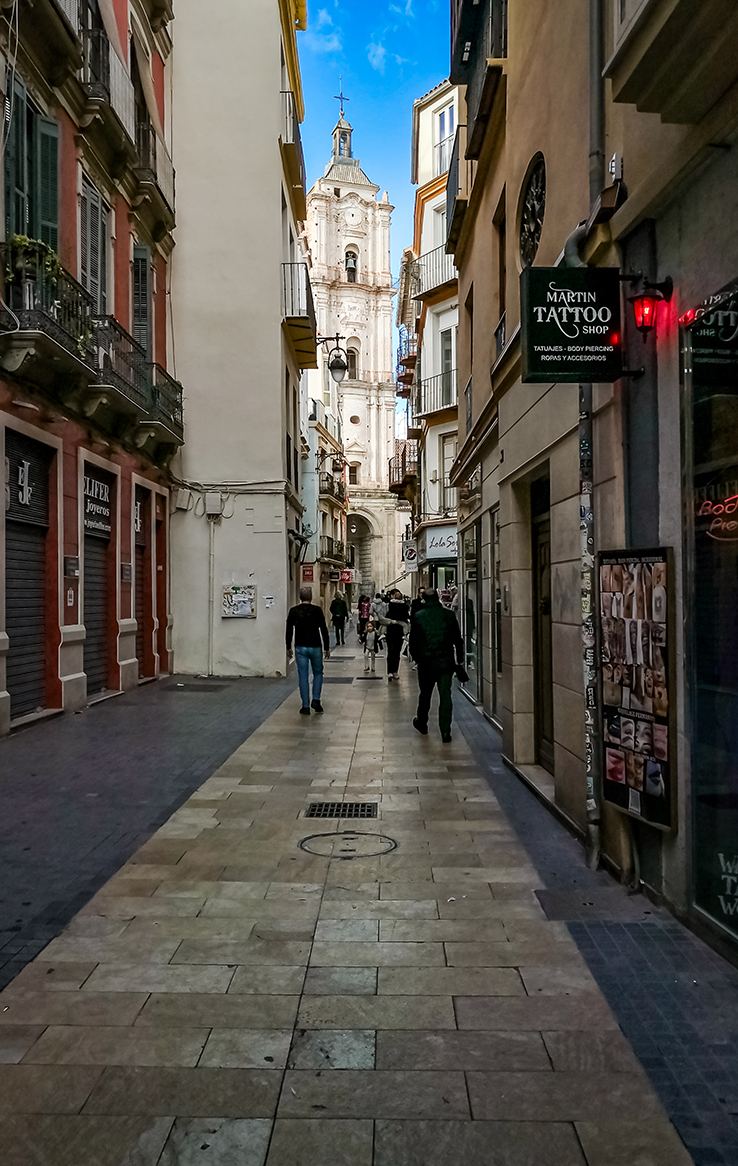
{"points": [[570, 324]]}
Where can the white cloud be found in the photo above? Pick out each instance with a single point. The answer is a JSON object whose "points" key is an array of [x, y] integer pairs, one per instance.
{"points": [[322, 18], [376, 54], [322, 42]]}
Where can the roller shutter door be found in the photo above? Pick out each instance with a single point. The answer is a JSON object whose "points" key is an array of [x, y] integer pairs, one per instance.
{"points": [[25, 600], [140, 606], [96, 614]]}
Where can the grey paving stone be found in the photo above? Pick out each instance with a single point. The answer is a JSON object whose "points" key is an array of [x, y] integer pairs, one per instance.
{"points": [[341, 982], [440, 930], [560, 1097], [595, 1052], [267, 979], [377, 955], [557, 981], [347, 930], [45, 1088], [16, 1040], [381, 909], [498, 1051], [216, 1010], [196, 1092], [75, 1045], [221, 1141], [327, 1049], [90, 1008], [450, 982], [249, 952], [627, 1142], [583, 1012], [250, 1048], [376, 1012], [505, 954], [159, 978], [28, 1140], [357, 1093], [477, 1143], [326, 1142], [52, 977]]}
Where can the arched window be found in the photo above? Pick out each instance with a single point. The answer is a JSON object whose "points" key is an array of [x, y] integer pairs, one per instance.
{"points": [[343, 145], [352, 263], [353, 364]]}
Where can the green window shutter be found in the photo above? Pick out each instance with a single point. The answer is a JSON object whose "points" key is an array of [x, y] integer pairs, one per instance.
{"points": [[142, 298], [16, 163], [94, 245], [47, 171]]}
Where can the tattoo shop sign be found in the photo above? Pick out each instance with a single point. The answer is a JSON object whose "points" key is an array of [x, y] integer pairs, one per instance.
{"points": [[570, 324]]}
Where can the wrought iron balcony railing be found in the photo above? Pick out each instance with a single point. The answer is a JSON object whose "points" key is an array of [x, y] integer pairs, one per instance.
{"points": [[104, 76], [292, 139], [436, 393], [45, 298], [332, 548], [435, 269], [70, 8], [332, 487], [154, 161], [121, 361], [449, 497], [404, 465], [166, 401]]}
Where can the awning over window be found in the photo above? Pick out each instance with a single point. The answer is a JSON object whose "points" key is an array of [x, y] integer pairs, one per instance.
{"points": [[107, 13], [147, 81]]}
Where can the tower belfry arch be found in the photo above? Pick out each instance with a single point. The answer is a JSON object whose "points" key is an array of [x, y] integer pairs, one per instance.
{"points": [[348, 229]]}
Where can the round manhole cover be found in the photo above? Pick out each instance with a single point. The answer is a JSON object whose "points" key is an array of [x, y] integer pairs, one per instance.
{"points": [[348, 844]]}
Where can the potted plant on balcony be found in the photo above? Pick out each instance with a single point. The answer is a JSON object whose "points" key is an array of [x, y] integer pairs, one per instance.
{"points": [[26, 256]]}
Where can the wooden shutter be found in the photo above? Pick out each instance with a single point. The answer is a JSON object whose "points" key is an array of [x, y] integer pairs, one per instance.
{"points": [[16, 163], [142, 299], [47, 175], [94, 245]]}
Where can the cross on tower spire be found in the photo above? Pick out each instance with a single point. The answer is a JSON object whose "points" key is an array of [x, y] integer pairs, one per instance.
{"points": [[340, 95]]}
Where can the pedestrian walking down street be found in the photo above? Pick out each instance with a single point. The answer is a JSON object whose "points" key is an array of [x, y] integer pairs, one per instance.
{"points": [[339, 614], [312, 642], [437, 647], [365, 608], [372, 644], [396, 623]]}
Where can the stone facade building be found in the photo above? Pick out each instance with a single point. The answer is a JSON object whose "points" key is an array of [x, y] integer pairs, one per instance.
{"points": [[348, 232]]}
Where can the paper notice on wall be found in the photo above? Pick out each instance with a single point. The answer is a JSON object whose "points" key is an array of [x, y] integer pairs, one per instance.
{"points": [[268, 601], [239, 601]]}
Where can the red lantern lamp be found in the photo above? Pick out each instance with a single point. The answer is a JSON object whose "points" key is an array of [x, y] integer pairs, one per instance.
{"points": [[645, 304]]}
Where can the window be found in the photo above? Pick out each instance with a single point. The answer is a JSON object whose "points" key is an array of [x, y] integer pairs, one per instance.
{"points": [[444, 139], [449, 448], [353, 364], [31, 172], [337, 191], [439, 226], [447, 366], [353, 475], [142, 298], [93, 250], [351, 266], [288, 443], [343, 146]]}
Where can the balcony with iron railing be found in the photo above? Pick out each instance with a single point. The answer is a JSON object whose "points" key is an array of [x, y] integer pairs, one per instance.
{"points": [[403, 468], [154, 167], [106, 80], [292, 152], [473, 36], [436, 269], [437, 393], [332, 549], [458, 189], [332, 487], [52, 337], [298, 313], [47, 32]]}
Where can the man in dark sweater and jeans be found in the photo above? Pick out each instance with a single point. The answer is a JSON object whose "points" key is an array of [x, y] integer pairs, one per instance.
{"points": [[307, 622], [437, 646]]}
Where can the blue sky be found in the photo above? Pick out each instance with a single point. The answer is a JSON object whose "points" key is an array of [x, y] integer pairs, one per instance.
{"points": [[388, 52]]}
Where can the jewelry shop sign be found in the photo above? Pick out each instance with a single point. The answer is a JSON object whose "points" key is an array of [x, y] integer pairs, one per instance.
{"points": [[636, 625], [570, 324]]}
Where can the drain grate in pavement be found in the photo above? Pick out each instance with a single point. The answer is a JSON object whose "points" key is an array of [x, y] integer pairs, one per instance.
{"points": [[342, 810], [338, 680], [367, 678], [604, 903]]}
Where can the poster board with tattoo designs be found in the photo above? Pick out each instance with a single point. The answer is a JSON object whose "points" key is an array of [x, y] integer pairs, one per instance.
{"points": [[636, 602]]}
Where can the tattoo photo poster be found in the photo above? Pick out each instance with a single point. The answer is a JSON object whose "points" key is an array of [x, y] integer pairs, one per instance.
{"points": [[637, 693]]}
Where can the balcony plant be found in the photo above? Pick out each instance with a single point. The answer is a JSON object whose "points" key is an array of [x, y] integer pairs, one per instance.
{"points": [[25, 256]]}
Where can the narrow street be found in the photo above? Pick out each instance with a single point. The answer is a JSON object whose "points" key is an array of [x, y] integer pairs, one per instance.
{"points": [[256, 987]]}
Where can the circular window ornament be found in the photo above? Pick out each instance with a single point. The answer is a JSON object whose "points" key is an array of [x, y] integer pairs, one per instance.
{"points": [[355, 420], [532, 211]]}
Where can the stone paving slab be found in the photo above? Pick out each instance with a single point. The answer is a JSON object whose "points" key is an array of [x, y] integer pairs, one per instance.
{"points": [[226, 996]]}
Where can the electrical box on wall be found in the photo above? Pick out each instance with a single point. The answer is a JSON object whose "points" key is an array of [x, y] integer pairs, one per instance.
{"points": [[214, 502], [71, 567]]}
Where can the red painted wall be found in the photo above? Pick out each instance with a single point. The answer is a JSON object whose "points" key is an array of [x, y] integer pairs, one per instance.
{"points": [[67, 194], [122, 262], [157, 71]]}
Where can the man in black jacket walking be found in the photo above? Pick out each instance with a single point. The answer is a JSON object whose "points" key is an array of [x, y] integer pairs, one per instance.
{"points": [[307, 623], [437, 646]]}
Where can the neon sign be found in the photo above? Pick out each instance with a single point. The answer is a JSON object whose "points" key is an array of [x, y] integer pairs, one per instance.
{"points": [[722, 527]]}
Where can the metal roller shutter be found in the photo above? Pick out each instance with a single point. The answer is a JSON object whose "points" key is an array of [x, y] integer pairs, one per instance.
{"points": [[140, 608], [25, 598], [96, 614]]}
